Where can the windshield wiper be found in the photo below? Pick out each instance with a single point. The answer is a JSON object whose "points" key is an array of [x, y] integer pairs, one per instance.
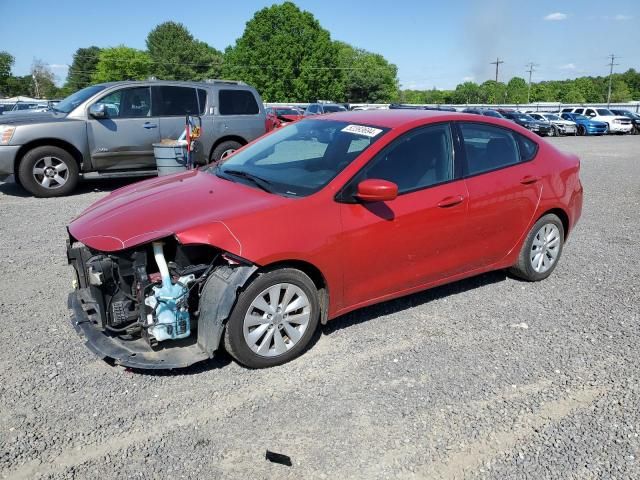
{"points": [[259, 182]]}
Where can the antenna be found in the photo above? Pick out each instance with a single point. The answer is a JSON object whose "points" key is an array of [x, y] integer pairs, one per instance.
{"points": [[532, 68], [611, 65], [497, 64]]}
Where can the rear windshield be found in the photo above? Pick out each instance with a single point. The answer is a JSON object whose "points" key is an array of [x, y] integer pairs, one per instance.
{"points": [[334, 108]]}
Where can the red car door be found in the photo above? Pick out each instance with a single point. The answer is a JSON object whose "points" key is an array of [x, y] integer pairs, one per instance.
{"points": [[504, 189], [394, 246]]}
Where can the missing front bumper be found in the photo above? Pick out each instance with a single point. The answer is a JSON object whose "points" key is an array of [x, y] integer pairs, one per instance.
{"points": [[130, 353]]}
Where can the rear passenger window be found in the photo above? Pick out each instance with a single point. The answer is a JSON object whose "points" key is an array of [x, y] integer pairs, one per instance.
{"points": [[417, 160], [172, 101], [237, 102], [528, 148], [488, 148], [202, 101]]}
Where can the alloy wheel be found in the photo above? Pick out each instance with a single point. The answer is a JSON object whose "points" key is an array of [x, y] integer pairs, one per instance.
{"points": [[545, 248], [276, 319], [50, 172]]}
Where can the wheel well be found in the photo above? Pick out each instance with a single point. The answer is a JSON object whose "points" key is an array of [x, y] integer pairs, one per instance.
{"points": [[233, 138], [314, 274], [564, 218], [41, 142]]}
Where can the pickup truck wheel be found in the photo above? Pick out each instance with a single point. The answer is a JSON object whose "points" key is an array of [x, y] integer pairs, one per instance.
{"points": [[224, 150], [274, 319], [48, 172]]}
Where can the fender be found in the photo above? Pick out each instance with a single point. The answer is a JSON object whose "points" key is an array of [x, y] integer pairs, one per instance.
{"points": [[216, 302]]}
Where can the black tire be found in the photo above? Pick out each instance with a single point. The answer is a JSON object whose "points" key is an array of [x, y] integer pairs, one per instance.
{"points": [[223, 150], [552, 132], [582, 130], [234, 340], [36, 184], [524, 267]]}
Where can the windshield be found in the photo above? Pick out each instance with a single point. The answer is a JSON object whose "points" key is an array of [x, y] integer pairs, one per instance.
{"points": [[301, 159], [552, 117], [522, 117], [604, 112], [287, 111], [492, 113], [334, 108], [577, 116], [75, 99]]}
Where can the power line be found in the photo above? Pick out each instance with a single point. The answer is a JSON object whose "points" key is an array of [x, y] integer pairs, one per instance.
{"points": [[611, 65], [532, 68], [497, 64]]}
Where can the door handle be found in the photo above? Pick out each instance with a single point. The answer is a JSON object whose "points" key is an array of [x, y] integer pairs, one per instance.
{"points": [[150, 125], [451, 201], [529, 179]]}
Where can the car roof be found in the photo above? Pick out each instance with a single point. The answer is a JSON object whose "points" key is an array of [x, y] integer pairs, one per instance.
{"points": [[398, 118]]}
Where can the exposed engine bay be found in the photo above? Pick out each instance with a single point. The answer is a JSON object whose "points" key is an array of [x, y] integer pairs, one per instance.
{"points": [[147, 301]]}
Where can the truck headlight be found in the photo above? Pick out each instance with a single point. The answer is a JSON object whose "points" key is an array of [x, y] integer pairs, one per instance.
{"points": [[6, 132]]}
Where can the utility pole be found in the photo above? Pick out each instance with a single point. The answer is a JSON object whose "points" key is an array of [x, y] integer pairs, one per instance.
{"points": [[497, 64], [532, 68], [611, 65]]}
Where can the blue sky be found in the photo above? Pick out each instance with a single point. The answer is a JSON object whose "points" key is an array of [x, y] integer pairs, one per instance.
{"points": [[433, 43]]}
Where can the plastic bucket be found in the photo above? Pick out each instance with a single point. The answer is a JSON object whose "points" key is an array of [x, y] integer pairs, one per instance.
{"points": [[170, 157]]}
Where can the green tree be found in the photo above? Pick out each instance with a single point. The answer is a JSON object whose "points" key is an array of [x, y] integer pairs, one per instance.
{"points": [[493, 92], [177, 55], [121, 63], [620, 91], [467, 92], [83, 66], [6, 62], [517, 90], [572, 94], [286, 55], [366, 77]]}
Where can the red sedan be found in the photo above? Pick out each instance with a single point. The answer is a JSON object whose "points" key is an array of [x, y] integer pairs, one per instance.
{"points": [[310, 222]]}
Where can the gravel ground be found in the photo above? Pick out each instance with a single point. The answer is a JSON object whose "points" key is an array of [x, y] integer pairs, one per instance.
{"points": [[485, 378]]}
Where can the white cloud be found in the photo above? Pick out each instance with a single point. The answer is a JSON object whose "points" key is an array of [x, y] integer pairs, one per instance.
{"points": [[470, 78], [568, 66], [557, 16], [620, 17], [60, 66]]}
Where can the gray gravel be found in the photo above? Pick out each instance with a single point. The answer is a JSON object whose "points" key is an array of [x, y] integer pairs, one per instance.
{"points": [[486, 378]]}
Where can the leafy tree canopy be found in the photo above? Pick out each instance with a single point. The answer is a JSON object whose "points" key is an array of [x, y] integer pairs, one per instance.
{"points": [[82, 68], [122, 63]]}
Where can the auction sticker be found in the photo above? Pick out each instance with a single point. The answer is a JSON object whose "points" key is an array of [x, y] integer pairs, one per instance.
{"points": [[362, 130]]}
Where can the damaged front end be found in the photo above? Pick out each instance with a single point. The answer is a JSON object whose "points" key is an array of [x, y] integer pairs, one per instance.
{"points": [[160, 305]]}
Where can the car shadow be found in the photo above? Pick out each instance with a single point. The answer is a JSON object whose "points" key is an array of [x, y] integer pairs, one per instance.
{"points": [[410, 301], [220, 360], [8, 186]]}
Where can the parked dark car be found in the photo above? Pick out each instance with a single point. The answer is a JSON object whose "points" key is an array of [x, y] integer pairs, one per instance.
{"points": [[322, 108], [635, 118], [487, 112], [528, 122]]}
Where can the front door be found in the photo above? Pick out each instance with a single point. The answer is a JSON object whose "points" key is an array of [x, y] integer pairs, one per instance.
{"points": [[124, 140], [415, 239]]}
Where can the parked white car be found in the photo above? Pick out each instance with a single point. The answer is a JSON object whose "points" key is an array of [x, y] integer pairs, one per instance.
{"points": [[561, 126], [616, 123]]}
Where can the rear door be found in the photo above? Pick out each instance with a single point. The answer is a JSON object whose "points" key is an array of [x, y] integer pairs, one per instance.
{"points": [[504, 186], [124, 140], [415, 239], [238, 114], [171, 105]]}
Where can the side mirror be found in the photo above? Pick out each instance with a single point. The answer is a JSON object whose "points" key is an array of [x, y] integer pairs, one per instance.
{"points": [[98, 110], [375, 190]]}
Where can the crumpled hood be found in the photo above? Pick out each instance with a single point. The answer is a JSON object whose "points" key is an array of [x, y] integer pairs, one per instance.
{"points": [[171, 205]]}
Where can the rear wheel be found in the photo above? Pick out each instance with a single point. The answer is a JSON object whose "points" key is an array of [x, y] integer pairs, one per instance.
{"points": [[225, 149], [48, 171], [274, 319], [541, 250]]}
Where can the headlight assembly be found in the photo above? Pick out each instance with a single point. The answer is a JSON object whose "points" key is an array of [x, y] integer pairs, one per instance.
{"points": [[6, 132]]}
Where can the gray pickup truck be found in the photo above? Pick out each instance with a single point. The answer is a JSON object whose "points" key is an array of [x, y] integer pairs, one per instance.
{"points": [[107, 130]]}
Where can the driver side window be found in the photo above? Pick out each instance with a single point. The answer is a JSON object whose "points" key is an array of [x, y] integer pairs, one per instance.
{"points": [[128, 103], [420, 159]]}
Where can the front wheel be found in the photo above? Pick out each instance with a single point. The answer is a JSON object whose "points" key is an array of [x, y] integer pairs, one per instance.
{"points": [[48, 171], [552, 132], [582, 130], [273, 320], [541, 249]]}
